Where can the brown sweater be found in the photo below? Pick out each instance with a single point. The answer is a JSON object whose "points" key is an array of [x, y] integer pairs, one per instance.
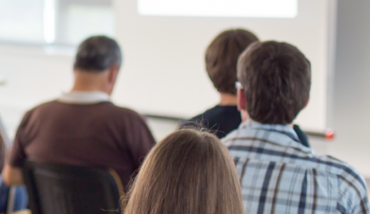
{"points": [[96, 135]]}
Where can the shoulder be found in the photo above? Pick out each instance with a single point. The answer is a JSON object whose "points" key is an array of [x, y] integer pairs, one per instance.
{"points": [[350, 180], [214, 116], [40, 108], [202, 120], [345, 171], [341, 169], [121, 109], [30, 115], [47, 104], [352, 177], [352, 190], [228, 139], [123, 112], [205, 116]]}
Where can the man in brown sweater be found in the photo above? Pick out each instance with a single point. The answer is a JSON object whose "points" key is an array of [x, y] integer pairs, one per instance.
{"points": [[83, 127]]}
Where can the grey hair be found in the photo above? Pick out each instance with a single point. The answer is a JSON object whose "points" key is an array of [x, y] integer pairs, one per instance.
{"points": [[97, 54]]}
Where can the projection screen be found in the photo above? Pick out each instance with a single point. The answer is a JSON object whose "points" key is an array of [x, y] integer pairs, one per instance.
{"points": [[164, 43]]}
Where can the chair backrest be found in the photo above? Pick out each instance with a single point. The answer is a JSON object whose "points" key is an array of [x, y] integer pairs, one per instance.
{"points": [[65, 189]]}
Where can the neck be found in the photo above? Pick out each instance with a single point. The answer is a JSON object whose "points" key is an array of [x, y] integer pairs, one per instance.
{"points": [[89, 81], [88, 88], [228, 100]]}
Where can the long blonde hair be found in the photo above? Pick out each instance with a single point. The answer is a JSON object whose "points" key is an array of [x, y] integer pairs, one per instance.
{"points": [[189, 172]]}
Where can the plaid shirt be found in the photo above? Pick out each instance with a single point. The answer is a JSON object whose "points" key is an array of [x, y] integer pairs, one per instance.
{"points": [[279, 175]]}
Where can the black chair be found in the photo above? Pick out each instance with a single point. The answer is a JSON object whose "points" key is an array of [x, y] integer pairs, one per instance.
{"points": [[65, 189]]}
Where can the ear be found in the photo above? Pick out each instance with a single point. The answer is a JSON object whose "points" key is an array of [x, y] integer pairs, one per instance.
{"points": [[308, 100], [242, 102], [242, 105], [113, 72]]}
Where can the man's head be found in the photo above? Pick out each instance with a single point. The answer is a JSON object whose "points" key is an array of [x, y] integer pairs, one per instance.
{"points": [[97, 62], [276, 80], [222, 55]]}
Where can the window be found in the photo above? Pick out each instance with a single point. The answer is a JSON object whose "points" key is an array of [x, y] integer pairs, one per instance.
{"points": [[58, 22], [220, 8], [78, 19], [21, 21]]}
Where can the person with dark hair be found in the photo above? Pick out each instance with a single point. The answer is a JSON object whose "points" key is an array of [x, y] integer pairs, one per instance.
{"points": [[221, 57], [189, 172], [277, 173], [83, 127]]}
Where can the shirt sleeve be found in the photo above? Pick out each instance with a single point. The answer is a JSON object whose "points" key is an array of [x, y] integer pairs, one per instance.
{"points": [[140, 140], [18, 155], [353, 196]]}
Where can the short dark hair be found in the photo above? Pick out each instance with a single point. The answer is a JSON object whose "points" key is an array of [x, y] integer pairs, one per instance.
{"points": [[97, 53], [277, 79], [222, 55]]}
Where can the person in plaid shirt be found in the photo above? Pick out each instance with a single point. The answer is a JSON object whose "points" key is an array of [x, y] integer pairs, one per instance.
{"points": [[277, 173]]}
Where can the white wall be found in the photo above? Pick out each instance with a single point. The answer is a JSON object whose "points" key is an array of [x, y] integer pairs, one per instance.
{"points": [[164, 66], [163, 70], [352, 85], [32, 77]]}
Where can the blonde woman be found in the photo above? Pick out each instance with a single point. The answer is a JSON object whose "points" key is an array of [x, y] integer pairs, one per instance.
{"points": [[189, 172]]}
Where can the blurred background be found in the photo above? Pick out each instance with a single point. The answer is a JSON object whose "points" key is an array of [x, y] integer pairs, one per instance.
{"points": [[163, 74]]}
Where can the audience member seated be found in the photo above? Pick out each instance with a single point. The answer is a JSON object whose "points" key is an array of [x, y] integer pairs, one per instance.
{"points": [[277, 173], [189, 172], [19, 193], [221, 57], [83, 127]]}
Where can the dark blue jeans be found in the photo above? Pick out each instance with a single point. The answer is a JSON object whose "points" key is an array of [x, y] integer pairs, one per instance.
{"points": [[20, 199]]}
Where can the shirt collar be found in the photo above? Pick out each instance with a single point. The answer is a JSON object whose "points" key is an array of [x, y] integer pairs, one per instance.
{"points": [[283, 129], [84, 97]]}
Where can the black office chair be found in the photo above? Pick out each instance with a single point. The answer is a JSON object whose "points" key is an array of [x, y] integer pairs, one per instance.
{"points": [[65, 189]]}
